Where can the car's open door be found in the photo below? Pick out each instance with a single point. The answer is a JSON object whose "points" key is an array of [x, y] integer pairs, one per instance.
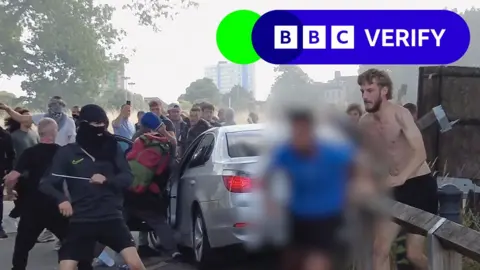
{"points": [[174, 184]]}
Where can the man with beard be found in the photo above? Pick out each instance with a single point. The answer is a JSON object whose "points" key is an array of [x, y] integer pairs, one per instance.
{"points": [[393, 128], [7, 155], [97, 174], [38, 211]]}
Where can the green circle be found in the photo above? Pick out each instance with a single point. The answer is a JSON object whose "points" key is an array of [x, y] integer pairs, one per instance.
{"points": [[234, 37]]}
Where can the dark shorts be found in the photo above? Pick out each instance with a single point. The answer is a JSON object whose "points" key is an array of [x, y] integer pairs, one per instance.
{"points": [[79, 244], [419, 192], [316, 234]]}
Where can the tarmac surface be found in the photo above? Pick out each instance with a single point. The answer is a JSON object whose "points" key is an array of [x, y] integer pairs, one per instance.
{"points": [[43, 256]]}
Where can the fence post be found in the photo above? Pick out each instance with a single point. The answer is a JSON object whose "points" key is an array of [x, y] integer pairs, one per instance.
{"points": [[451, 201]]}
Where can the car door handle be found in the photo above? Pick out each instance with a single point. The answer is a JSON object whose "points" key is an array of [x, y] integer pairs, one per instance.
{"points": [[192, 182]]}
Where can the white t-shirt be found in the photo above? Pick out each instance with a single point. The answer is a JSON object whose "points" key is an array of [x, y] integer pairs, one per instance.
{"points": [[66, 134]]}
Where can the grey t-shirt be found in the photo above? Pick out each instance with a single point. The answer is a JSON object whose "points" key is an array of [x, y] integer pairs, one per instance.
{"points": [[23, 140]]}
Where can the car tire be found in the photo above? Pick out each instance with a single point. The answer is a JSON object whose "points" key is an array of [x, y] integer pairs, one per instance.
{"points": [[203, 254]]}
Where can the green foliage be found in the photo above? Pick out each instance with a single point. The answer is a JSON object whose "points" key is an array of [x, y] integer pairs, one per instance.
{"points": [[202, 90], [293, 87], [63, 47], [10, 98], [185, 105], [151, 12], [67, 46], [409, 74], [238, 98], [113, 99]]}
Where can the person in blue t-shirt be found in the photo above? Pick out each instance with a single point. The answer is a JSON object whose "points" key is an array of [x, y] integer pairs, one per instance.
{"points": [[317, 171]]}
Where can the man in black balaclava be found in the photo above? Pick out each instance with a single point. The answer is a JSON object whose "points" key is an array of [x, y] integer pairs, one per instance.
{"points": [[97, 174]]}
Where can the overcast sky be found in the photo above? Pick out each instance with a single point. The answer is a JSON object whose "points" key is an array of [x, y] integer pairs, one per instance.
{"points": [[165, 63]]}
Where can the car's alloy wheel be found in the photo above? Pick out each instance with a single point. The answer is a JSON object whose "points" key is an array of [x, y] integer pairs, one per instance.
{"points": [[198, 238], [204, 255]]}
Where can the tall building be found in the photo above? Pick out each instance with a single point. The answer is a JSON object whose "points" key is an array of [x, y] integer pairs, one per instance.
{"points": [[226, 75]]}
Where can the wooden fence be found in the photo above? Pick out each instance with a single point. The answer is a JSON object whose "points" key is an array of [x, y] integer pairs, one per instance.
{"points": [[447, 241]]}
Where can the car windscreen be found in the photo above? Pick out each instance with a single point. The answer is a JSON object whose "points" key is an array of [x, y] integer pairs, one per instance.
{"points": [[244, 143]]}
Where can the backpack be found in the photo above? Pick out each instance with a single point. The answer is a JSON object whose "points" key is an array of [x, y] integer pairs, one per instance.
{"points": [[149, 158]]}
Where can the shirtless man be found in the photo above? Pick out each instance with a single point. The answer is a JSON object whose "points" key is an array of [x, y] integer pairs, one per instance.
{"points": [[410, 177]]}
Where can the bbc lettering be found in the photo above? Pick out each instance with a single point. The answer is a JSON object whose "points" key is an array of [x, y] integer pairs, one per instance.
{"points": [[315, 37]]}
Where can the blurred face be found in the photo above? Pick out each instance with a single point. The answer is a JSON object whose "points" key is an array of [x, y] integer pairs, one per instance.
{"points": [[174, 114], [194, 117], [156, 110], [354, 115], [207, 114], [373, 96], [126, 110], [221, 115], [303, 134], [26, 125], [75, 111]]}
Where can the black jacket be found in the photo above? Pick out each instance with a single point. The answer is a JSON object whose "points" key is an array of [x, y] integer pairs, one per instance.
{"points": [[7, 154], [91, 202], [200, 127]]}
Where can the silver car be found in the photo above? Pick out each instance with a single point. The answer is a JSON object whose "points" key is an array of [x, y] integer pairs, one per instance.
{"points": [[210, 193]]}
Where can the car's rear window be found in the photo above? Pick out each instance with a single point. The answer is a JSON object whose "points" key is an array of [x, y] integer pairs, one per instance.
{"points": [[244, 143]]}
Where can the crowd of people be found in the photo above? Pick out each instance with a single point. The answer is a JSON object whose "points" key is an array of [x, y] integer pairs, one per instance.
{"points": [[68, 179], [72, 178]]}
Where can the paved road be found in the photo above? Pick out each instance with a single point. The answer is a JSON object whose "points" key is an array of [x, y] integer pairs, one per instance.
{"points": [[43, 257]]}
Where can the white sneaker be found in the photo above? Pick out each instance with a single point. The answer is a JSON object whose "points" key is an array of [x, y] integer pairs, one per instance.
{"points": [[58, 245], [46, 237]]}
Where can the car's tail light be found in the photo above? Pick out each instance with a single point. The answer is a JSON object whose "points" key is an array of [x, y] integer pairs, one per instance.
{"points": [[240, 225], [237, 183]]}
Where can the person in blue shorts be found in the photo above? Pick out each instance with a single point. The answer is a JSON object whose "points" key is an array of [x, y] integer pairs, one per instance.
{"points": [[318, 171]]}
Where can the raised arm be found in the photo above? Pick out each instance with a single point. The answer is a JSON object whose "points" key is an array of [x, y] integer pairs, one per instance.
{"points": [[24, 119]]}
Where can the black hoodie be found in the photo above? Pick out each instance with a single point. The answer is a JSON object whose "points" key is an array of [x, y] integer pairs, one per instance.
{"points": [[90, 202], [95, 152]]}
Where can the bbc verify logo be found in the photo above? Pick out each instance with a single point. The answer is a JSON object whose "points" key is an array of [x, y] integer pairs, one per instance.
{"points": [[343, 37]]}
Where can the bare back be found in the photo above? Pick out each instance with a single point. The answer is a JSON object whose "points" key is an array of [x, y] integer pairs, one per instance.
{"points": [[387, 131]]}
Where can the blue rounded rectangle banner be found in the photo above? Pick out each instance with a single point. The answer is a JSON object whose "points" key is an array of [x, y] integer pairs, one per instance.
{"points": [[393, 37]]}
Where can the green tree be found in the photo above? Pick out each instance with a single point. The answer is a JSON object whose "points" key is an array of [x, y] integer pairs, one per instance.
{"points": [[68, 43], [292, 85], [185, 105], [238, 98], [10, 98], [151, 12], [409, 74], [201, 90]]}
